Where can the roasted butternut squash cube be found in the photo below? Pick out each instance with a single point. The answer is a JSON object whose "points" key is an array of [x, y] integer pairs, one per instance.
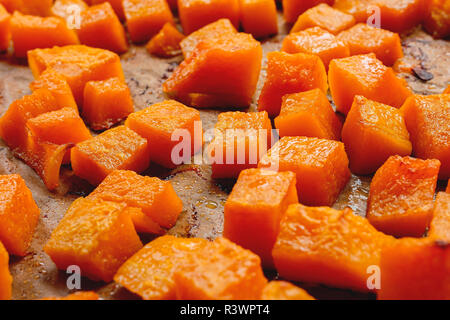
{"points": [[101, 28], [156, 198], [240, 140], [293, 8], [166, 43], [359, 9], [68, 8], [5, 30], [316, 41], [19, 214], [325, 17], [164, 122], [365, 75], [96, 235], [80, 296], [372, 133], [31, 7], [428, 121], [437, 18], [259, 17], [220, 270], [401, 196], [57, 84], [119, 148], [146, 17], [400, 16], [321, 167], [282, 290], [440, 224], [106, 103], [290, 73], [78, 64], [415, 269], [213, 30], [308, 114], [31, 32], [5, 276], [254, 209], [362, 39], [195, 14], [117, 5], [150, 272], [327, 246], [227, 66]]}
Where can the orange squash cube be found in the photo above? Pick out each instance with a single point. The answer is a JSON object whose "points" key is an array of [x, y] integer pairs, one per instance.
{"points": [[282, 290], [308, 114], [363, 38], [437, 18], [96, 235], [31, 32], [5, 30], [325, 17], [68, 8], [290, 73], [415, 269], [156, 198], [163, 122], [240, 140], [150, 272], [117, 5], [401, 196], [106, 103], [365, 75], [19, 214], [293, 8], [440, 224], [428, 121], [327, 246], [316, 41], [58, 87], [31, 7], [400, 16], [220, 270], [372, 133], [80, 296], [195, 14], [101, 28], [321, 167], [254, 209], [5, 276], [259, 17], [78, 64], [119, 148], [359, 9], [227, 66], [213, 30], [146, 17], [166, 43]]}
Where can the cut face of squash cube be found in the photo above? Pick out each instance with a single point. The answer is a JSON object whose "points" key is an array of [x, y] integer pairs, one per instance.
{"points": [[401, 196], [259, 17], [372, 133], [365, 75], [325, 17], [119, 148], [327, 246], [195, 14], [5, 31], [166, 43], [150, 272], [106, 103], [146, 17], [400, 16], [362, 39], [5, 276], [31, 32], [290, 73], [316, 41], [282, 290], [98, 236], [321, 167], [308, 114], [101, 28], [254, 209], [220, 270], [164, 122], [440, 225], [428, 121], [19, 215], [293, 8]]}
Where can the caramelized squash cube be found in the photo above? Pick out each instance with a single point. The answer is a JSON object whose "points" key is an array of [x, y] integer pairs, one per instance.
{"points": [[5, 275], [293, 8], [440, 224], [166, 43], [359, 9], [401, 16], [259, 17], [282, 290], [437, 18]]}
